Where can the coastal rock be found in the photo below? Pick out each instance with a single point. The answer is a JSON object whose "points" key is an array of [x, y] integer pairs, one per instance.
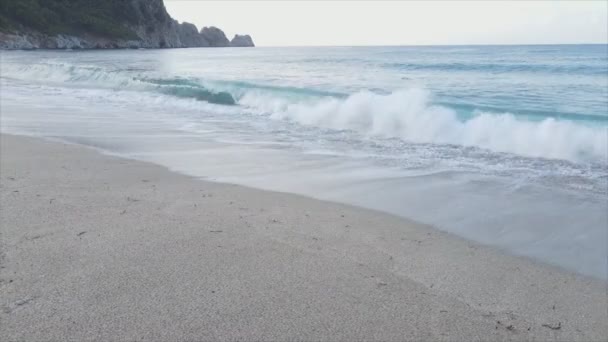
{"points": [[16, 41], [190, 37], [242, 41], [215, 37], [132, 24], [153, 25], [69, 42]]}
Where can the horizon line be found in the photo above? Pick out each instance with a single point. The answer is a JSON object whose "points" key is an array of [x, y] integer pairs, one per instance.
{"points": [[437, 45]]}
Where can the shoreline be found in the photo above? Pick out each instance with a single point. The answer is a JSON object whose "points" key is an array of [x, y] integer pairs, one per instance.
{"points": [[96, 247], [353, 206], [406, 220]]}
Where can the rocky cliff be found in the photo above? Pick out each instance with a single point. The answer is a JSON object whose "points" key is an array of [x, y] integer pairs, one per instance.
{"points": [[215, 37], [242, 41], [91, 24]]}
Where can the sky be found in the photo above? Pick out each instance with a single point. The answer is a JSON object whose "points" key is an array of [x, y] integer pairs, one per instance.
{"points": [[350, 23]]}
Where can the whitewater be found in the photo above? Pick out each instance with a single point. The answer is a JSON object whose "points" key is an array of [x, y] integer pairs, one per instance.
{"points": [[503, 145]]}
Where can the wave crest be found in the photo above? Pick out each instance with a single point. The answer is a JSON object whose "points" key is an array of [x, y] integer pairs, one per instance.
{"points": [[95, 77], [411, 116], [405, 114]]}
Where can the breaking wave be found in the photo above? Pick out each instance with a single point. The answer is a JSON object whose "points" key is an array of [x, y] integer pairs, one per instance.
{"points": [[411, 115], [408, 114], [59, 73]]}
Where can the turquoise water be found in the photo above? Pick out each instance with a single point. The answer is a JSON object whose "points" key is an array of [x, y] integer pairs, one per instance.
{"points": [[505, 145]]}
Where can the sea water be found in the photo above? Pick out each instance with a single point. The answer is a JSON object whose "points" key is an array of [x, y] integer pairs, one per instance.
{"points": [[503, 145]]}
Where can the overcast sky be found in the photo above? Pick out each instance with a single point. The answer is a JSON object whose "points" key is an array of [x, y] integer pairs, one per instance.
{"points": [[281, 23]]}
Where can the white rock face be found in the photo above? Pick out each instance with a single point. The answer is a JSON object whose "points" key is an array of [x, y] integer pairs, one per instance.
{"points": [[12, 41]]}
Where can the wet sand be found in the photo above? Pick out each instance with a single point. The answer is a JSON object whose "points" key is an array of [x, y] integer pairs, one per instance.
{"points": [[96, 247]]}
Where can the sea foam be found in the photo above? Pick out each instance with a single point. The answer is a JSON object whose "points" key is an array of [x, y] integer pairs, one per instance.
{"points": [[408, 114], [412, 116]]}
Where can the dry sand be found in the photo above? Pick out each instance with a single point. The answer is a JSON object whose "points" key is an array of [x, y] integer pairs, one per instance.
{"points": [[101, 248]]}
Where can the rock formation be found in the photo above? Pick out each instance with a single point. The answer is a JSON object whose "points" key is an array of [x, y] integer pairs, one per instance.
{"points": [[32, 24], [215, 36], [242, 41], [189, 36]]}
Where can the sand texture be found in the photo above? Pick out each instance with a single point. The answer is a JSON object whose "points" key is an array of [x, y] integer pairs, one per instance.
{"points": [[101, 248]]}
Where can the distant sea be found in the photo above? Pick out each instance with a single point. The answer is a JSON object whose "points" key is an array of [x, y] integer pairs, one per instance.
{"points": [[503, 145]]}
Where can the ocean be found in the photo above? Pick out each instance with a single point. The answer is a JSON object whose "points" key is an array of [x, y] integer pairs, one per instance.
{"points": [[503, 145]]}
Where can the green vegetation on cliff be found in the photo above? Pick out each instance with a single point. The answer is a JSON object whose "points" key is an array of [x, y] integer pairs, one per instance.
{"points": [[105, 18]]}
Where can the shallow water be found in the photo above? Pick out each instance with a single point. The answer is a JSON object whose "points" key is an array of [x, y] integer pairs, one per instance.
{"points": [[504, 145]]}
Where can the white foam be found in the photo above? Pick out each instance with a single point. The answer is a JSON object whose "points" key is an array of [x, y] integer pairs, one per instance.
{"points": [[410, 115], [406, 114]]}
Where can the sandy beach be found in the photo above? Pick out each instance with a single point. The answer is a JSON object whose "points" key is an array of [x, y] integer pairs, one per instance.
{"points": [[96, 247]]}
